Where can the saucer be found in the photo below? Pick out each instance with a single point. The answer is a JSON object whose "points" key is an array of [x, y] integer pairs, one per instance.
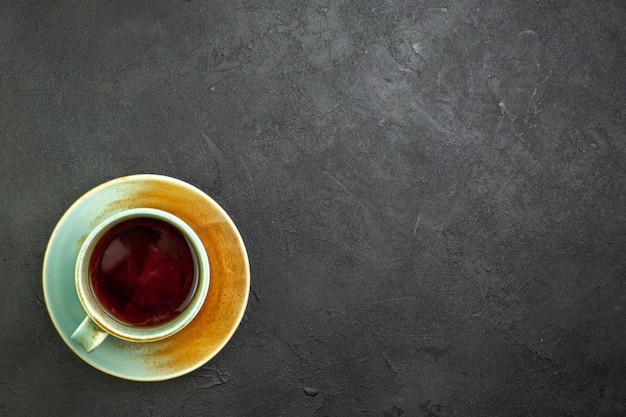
{"points": [[223, 308]]}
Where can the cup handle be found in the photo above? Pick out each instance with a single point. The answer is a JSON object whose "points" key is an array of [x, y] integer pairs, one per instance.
{"points": [[89, 335]]}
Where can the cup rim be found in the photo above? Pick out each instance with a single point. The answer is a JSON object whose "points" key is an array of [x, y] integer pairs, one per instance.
{"points": [[112, 325]]}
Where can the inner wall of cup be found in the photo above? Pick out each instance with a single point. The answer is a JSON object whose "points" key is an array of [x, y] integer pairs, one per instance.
{"points": [[196, 276], [111, 322]]}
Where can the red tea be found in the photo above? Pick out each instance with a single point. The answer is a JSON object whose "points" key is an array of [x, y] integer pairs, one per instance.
{"points": [[142, 272]]}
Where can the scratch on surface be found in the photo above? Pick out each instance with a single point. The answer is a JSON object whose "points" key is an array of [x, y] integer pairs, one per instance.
{"points": [[41, 304], [533, 352], [245, 167], [464, 11], [468, 58], [396, 299], [256, 296], [210, 142], [336, 180], [223, 69], [226, 66], [391, 368], [417, 222], [219, 80], [532, 105], [286, 233], [127, 102]]}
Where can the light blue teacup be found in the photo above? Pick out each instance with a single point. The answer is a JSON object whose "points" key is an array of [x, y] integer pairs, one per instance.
{"points": [[100, 323]]}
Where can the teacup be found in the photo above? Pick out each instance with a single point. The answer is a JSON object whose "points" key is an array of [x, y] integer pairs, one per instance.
{"points": [[141, 275]]}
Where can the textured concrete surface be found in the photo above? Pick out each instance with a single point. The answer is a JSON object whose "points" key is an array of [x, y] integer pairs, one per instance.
{"points": [[432, 194]]}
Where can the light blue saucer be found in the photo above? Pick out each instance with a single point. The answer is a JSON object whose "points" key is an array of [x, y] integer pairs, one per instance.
{"points": [[220, 315]]}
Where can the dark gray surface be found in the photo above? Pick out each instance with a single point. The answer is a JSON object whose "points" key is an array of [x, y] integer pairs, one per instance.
{"points": [[432, 194]]}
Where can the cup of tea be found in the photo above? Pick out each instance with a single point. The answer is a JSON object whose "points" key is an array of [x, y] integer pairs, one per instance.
{"points": [[141, 275]]}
